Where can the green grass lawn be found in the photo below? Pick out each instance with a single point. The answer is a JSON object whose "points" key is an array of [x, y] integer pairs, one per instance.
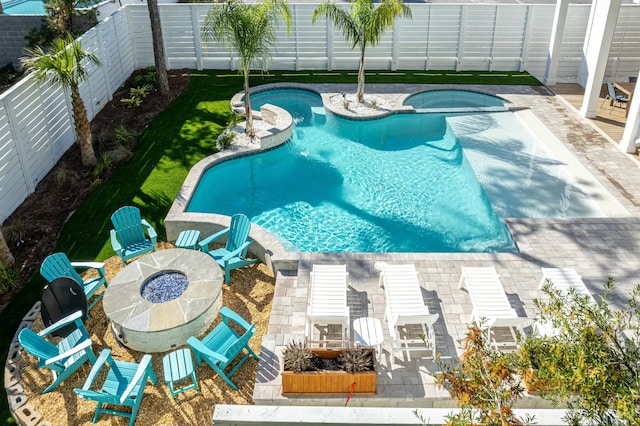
{"points": [[176, 140]]}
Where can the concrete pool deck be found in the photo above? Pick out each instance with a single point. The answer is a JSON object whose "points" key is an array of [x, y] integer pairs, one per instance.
{"points": [[596, 247]]}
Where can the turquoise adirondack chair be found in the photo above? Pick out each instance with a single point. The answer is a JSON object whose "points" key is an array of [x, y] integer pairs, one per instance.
{"points": [[63, 358], [58, 265], [128, 237], [220, 347], [123, 386], [233, 255]]}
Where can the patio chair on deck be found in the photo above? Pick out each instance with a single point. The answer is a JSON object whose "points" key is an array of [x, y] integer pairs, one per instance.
{"points": [[328, 301], [563, 280], [128, 237], [405, 307], [491, 307], [234, 254], [123, 386], [58, 265], [223, 345], [63, 358], [613, 97]]}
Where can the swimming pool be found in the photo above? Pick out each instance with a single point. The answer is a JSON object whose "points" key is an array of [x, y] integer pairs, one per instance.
{"points": [[34, 7], [397, 184], [23, 7]]}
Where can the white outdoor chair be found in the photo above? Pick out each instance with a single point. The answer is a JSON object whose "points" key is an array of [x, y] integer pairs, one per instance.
{"points": [[491, 307], [405, 306], [564, 280], [328, 302]]}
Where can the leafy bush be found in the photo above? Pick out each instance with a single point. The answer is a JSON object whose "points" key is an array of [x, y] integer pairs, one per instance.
{"points": [[146, 79], [66, 175], [225, 139], [9, 277], [485, 384], [594, 356], [15, 230]]}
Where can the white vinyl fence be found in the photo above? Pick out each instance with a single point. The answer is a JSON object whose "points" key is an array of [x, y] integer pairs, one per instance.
{"points": [[35, 120]]}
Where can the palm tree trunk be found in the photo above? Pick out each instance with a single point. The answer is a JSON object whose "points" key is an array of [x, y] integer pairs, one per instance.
{"points": [[360, 93], [247, 106], [5, 253], [83, 127], [158, 48]]}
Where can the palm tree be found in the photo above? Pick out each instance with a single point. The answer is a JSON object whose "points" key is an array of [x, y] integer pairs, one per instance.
{"points": [[250, 31], [363, 24], [63, 64], [158, 48]]}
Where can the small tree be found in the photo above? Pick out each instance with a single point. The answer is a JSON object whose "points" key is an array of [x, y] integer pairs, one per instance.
{"points": [[594, 358], [250, 31], [484, 384], [362, 25], [158, 48], [63, 64]]}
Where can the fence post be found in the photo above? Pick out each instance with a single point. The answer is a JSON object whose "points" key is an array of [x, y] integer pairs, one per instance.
{"points": [[394, 45], [196, 36], [105, 66], [461, 34], [329, 45], [524, 51]]}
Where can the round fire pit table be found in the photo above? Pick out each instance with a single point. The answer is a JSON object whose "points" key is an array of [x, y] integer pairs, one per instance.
{"points": [[158, 301]]}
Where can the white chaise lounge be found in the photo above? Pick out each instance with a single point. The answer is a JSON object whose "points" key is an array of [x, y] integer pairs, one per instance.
{"points": [[565, 279], [405, 306], [562, 279], [491, 307], [327, 302]]}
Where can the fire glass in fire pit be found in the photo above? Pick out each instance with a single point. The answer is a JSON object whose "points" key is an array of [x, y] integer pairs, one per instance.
{"points": [[164, 287]]}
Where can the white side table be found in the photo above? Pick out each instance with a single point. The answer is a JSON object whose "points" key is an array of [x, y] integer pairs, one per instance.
{"points": [[367, 331]]}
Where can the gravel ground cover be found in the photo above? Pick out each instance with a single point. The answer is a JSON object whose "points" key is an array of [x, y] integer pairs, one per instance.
{"points": [[250, 294]]}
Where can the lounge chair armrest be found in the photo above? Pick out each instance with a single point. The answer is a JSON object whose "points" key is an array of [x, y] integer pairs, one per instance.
{"points": [[153, 235], [78, 348], [88, 265], [100, 362], [115, 244], [98, 266], [61, 323], [229, 314], [204, 244], [89, 394], [142, 369], [198, 346], [237, 251]]}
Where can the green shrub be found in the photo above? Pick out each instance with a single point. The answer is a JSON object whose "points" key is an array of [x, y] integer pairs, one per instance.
{"points": [[15, 230], [9, 277], [225, 139]]}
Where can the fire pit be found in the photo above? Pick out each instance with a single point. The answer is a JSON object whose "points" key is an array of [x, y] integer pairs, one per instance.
{"points": [[158, 301]]}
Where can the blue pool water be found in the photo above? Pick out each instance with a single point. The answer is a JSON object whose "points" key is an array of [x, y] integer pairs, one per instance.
{"points": [[398, 184], [452, 99], [23, 7]]}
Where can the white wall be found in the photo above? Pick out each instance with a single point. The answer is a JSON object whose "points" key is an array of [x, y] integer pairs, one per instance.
{"points": [[35, 120]]}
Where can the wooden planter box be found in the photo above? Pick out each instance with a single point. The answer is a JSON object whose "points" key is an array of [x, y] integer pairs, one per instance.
{"points": [[534, 385], [329, 382]]}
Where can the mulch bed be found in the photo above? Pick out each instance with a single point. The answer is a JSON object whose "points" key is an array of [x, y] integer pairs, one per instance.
{"points": [[42, 215], [250, 293]]}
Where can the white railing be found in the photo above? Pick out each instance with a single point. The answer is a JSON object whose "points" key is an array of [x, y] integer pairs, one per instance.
{"points": [[35, 120]]}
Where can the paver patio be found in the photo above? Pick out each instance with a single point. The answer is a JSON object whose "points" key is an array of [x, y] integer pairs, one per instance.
{"points": [[596, 247]]}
